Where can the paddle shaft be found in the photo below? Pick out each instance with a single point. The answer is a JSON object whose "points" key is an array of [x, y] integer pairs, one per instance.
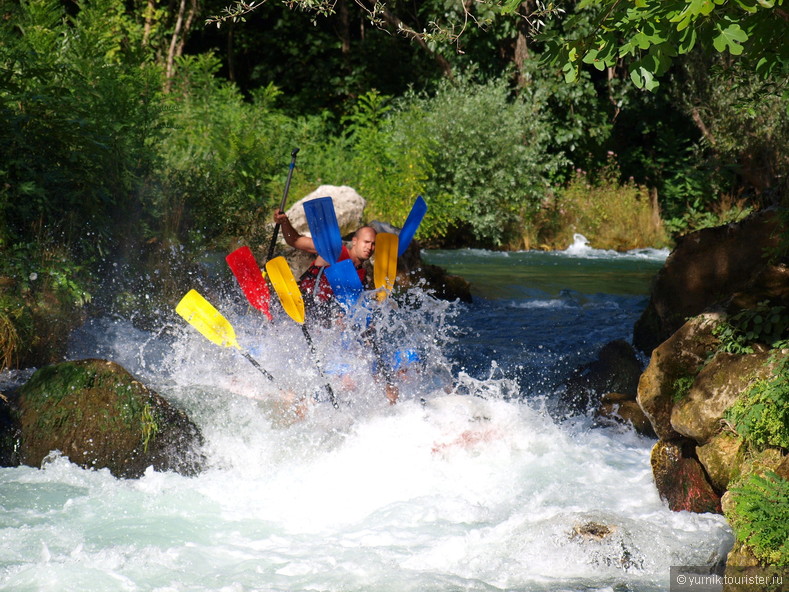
{"points": [[256, 365], [329, 390], [282, 203]]}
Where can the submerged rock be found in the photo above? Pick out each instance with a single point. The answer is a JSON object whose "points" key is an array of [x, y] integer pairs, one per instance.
{"points": [[96, 413], [623, 408], [616, 369]]}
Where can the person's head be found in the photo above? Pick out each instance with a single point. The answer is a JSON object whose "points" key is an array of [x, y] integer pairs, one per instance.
{"points": [[363, 243]]}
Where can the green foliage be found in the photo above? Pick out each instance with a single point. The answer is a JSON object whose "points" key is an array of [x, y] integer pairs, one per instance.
{"points": [[765, 323], [650, 34], [490, 169], [681, 386], [389, 163], [222, 161], [761, 415], [760, 517]]}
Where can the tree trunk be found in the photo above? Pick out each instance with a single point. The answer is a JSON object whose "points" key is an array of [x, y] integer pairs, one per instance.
{"points": [[150, 10], [183, 23], [521, 52], [345, 27]]}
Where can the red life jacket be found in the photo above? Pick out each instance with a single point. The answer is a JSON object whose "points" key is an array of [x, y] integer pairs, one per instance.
{"points": [[314, 274]]}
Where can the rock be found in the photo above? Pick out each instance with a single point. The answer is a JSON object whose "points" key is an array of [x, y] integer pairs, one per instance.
{"points": [[348, 206], [625, 409], [706, 267], [698, 414], [722, 458], [677, 359], [616, 369], [592, 531], [608, 546], [741, 556], [680, 479], [95, 413]]}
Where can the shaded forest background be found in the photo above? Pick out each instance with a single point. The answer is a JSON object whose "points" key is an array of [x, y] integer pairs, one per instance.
{"points": [[135, 136]]}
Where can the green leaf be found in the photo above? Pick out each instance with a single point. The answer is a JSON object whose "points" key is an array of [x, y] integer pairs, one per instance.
{"points": [[730, 38]]}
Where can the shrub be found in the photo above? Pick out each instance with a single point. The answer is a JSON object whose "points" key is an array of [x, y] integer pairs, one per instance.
{"points": [[765, 323], [610, 214], [761, 415], [487, 154], [760, 517]]}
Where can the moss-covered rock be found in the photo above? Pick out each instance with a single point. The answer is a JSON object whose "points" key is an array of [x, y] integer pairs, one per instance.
{"points": [[677, 359], [717, 386], [722, 458], [96, 413]]}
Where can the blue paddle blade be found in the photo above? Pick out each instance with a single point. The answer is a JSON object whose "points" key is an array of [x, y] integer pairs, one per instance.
{"points": [[324, 228], [411, 224], [345, 282]]}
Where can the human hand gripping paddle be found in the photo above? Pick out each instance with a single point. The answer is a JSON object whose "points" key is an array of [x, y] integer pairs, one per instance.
{"points": [[199, 313], [288, 291]]}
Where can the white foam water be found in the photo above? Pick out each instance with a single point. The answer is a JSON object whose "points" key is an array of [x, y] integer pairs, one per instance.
{"points": [[465, 484]]}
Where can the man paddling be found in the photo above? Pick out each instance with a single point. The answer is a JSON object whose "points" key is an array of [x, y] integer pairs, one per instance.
{"points": [[317, 290], [313, 282]]}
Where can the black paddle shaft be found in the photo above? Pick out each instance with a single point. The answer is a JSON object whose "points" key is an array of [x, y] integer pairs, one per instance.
{"points": [[256, 365], [282, 203], [329, 390]]}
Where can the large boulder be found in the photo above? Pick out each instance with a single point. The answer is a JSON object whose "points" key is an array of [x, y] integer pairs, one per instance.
{"points": [[96, 413], [722, 458], [697, 415], [706, 267], [672, 364], [348, 206]]}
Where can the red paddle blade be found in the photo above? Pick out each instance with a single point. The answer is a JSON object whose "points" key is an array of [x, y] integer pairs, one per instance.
{"points": [[243, 265]]}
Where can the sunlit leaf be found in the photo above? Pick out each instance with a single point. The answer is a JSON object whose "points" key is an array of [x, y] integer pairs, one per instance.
{"points": [[730, 38]]}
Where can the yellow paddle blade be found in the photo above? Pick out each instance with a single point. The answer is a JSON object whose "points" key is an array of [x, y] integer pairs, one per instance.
{"points": [[199, 313], [281, 277], [385, 270]]}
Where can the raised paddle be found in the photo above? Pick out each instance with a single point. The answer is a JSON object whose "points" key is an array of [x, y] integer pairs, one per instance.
{"points": [[385, 269], [324, 228], [289, 295], [282, 203], [325, 231], [250, 278], [199, 313], [412, 222]]}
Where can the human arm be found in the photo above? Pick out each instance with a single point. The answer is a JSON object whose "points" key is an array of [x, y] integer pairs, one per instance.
{"points": [[292, 236]]}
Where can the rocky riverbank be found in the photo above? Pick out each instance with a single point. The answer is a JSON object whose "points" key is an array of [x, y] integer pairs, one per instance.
{"points": [[715, 391]]}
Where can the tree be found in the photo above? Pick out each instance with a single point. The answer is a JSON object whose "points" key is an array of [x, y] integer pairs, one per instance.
{"points": [[650, 34]]}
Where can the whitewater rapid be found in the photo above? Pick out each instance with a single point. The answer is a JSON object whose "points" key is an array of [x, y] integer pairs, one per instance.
{"points": [[467, 483]]}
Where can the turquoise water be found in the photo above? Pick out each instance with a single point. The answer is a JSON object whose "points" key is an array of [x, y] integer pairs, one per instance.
{"points": [[466, 484]]}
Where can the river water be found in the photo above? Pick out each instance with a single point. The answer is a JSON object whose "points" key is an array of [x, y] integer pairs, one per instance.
{"points": [[468, 483]]}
